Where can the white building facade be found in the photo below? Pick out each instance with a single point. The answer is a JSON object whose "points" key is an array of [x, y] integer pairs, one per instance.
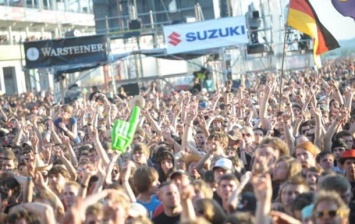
{"points": [[33, 20]]}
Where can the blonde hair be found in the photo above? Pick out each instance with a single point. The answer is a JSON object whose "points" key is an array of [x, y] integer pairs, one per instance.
{"points": [[72, 183], [277, 144], [210, 210], [219, 136], [67, 108], [203, 187], [294, 166], [332, 196]]}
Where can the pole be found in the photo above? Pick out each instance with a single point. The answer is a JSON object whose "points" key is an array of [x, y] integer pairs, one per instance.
{"points": [[282, 67], [140, 59], [109, 69], [61, 87]]}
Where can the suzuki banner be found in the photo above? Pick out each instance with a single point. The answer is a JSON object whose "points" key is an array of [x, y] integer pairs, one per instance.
{"points": [[204, 35], [68, 51]]}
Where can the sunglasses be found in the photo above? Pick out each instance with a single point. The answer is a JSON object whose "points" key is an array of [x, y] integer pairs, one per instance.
{"points": [[330, 213], [246, 134]]}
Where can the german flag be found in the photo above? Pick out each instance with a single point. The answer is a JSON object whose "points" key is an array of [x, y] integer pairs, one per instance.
{"points": [[302, 17]]}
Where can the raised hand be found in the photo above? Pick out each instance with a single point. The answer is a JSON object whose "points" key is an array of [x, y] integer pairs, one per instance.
{"points": [[65, 139], [50, 125], [47, 153], [58, 151], [30, 162], [348, 92], [62, 125], [127, 174], [101, 172], [281, 217], [187, 192], [262, 186], [34, 120], [167, 133], [191, 115], [34, 141], [38, 181]]}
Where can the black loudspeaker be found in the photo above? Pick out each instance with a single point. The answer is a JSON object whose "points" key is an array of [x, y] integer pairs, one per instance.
{"points": [[135, 24], [131, 89], [256, 15], [256, 49]]}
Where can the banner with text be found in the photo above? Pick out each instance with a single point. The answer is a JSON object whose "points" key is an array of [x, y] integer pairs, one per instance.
{"points": [[68, 51], [204, 35]]}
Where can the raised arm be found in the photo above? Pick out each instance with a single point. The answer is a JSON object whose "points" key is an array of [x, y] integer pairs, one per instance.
{"points": [[261, 182], [69, 148], [233, 201], [68, 165], [98, 146], [332, 129], [126, 184], [187, 138], [188, 211]]}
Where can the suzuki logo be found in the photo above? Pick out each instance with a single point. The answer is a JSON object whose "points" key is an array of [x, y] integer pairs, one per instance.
{"points": [[174, 38]]}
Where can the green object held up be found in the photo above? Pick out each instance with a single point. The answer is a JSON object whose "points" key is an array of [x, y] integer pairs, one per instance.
{"points": [[123, 131]]}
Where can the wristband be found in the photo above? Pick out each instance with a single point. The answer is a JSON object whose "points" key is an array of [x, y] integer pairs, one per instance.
{"points": [[29, 178], [83, 185]]}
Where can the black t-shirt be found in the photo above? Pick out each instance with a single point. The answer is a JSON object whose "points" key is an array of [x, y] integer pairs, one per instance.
{"points": [[217, 198], [352, 212], [164, 219], [352, 183]]}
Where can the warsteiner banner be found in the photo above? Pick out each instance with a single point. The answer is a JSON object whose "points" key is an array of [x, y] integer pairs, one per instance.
{"points": [[68, 51]]}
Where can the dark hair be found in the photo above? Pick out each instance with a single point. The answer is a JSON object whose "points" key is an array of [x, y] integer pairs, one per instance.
{"points": [[306, 123], [165, 155], [165, 183], [302, 200], [30, 217], [322, 154], [59, 169], [144, 177], [9, 182], [339, 143], [229, 177], [342, 134], [240, 218], [260, 129]]}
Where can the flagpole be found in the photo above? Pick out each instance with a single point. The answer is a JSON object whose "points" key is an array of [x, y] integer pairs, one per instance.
{"points": [[283, 63]]}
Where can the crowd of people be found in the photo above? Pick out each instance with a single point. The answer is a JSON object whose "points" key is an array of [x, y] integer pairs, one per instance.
{"points": [[272, 151]]}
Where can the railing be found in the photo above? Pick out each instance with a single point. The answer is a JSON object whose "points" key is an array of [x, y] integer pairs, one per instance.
{"points": [[73, 6], [148, 20]]}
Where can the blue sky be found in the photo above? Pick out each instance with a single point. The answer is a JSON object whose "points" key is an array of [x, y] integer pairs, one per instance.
{"points": [[341, 27]]}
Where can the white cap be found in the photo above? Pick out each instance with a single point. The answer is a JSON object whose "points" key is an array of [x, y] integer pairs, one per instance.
{"points": [[137, 209], [223, 163]]}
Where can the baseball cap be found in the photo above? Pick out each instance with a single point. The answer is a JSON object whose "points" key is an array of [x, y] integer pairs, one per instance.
{"points": [[176, 172], [348, 154], [223, 163], [137, 209]]}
